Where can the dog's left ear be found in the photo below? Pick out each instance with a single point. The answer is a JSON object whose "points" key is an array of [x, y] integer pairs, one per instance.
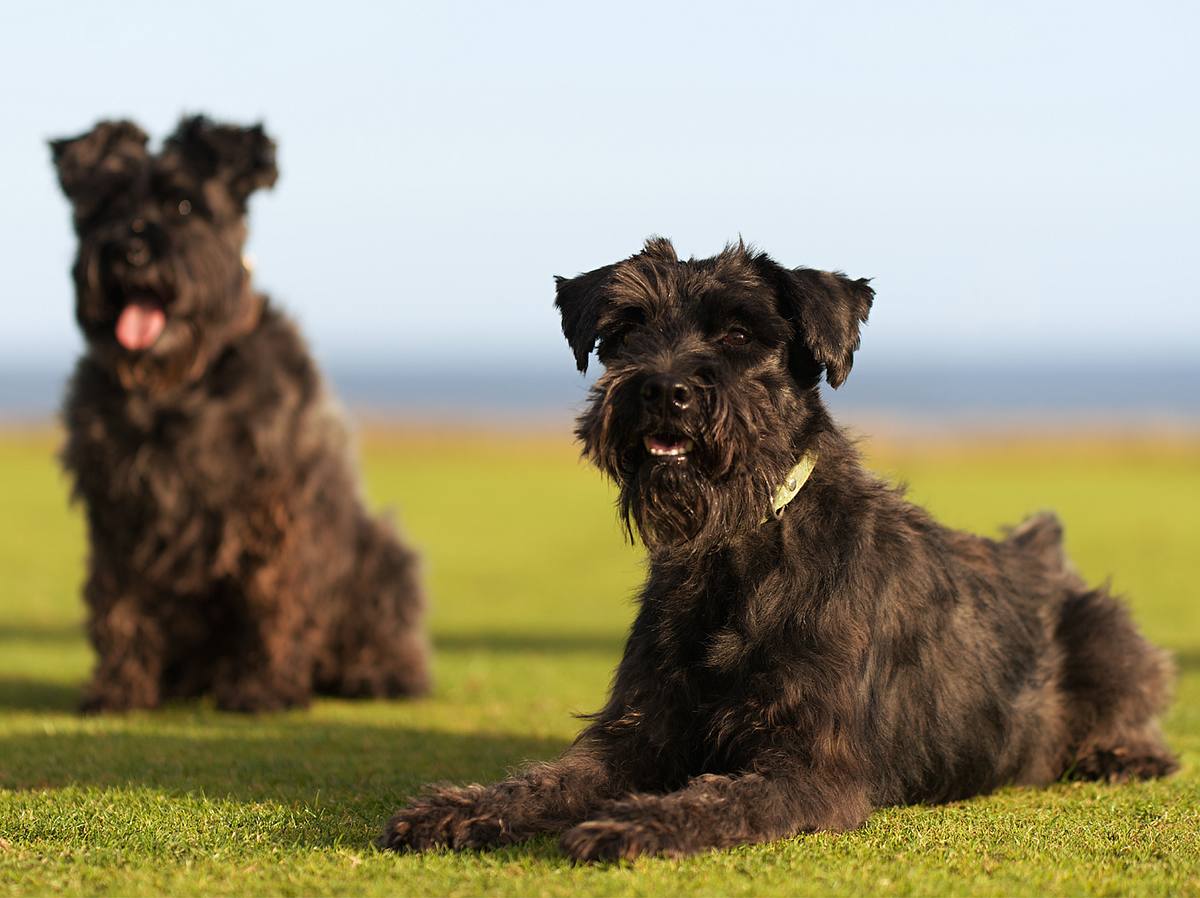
{"points": [[827, 309], [580, 300], [244, 158]]}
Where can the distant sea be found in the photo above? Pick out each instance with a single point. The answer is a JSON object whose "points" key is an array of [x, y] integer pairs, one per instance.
{"points": [[1122, 394]]}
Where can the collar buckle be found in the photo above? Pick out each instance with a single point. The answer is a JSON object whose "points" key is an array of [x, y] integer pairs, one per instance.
{"points": [[792, 484]]}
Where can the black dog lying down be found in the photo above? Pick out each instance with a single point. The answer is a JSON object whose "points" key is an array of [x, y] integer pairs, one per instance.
{"points": [[230, 551], [809, 645]]}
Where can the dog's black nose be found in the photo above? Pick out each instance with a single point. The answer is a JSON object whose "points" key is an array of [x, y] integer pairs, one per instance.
{"points": [[665, 391], [137, 252]]}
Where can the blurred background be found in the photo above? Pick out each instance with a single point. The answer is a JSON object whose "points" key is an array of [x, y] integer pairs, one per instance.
{"points": [[1019, 180]]}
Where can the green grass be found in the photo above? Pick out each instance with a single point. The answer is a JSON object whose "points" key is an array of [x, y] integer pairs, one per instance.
{"points": [[532, 587]]}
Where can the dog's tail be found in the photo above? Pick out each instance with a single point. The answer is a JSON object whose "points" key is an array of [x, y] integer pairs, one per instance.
{"points": [[1041, 537]]}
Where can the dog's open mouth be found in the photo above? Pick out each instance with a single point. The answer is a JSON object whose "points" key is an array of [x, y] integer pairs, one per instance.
{"points": [[140, 323], [668, 445]]}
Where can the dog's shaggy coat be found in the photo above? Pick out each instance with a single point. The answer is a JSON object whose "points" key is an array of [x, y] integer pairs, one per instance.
{"points": [[790, 675], [230, 551]]}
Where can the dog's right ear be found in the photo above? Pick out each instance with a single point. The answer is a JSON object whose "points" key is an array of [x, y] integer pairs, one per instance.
{"points": [[94, 166], [581, 300]]}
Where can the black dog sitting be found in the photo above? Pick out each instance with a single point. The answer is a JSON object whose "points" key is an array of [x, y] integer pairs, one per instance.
{"points": [[230, 551], [809, 645]]}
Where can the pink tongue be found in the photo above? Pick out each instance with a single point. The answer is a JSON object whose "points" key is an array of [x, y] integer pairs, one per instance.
{"points": [[140, 324]]}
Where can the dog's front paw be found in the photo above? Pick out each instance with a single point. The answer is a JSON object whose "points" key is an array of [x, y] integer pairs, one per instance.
{"points": [[616, 840], [102, 704], [101, 698], [450, 817], [257, 697]]}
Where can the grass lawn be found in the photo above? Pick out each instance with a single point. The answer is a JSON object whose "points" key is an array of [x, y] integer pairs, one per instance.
{"points": [[532, 586]]}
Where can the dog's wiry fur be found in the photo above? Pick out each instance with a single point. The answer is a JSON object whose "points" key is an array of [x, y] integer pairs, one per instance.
{"points": [[230, 550], [793, 675]]}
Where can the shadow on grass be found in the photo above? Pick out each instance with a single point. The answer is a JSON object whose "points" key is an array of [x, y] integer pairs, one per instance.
{"points": [[43, 634], [21, 694], [1187, 661], [532, 643], [340, 781]]}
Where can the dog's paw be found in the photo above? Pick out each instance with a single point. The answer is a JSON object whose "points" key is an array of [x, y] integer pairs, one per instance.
{"points": [[102, 704], [111, 701], [449, 817], [617, 840], [251, 697]]}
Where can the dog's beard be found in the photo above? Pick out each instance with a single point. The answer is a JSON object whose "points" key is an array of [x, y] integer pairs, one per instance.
{"points": [[674, 504], [721, 488]]}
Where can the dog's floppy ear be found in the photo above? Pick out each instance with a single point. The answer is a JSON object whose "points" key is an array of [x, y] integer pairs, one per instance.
{"points": [[94, 166], [243, 158], [580, 300], [827, 309]]}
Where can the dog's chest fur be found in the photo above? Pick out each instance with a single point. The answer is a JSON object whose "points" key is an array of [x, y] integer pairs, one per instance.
{"points": [[221, 461], [714, 628]]}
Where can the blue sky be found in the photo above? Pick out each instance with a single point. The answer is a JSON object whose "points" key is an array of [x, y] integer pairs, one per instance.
{"points": [[1019, 178]]}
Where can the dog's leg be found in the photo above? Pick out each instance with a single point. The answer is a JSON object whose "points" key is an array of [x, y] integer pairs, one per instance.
{"points": [[1116, 683], [270, 667], [543, 798], [394, 664], [270, 673], [379, 644], [719, 812], [129, 646]]}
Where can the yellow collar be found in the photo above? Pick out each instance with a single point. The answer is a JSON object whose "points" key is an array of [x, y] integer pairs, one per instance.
{"points": [[796, 478]]}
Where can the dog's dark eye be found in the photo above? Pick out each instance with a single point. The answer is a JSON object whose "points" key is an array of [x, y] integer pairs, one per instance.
{"points": [[736, 336], [611, 342], [612, 338]]}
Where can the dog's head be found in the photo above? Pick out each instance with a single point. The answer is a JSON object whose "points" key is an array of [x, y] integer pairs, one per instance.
{"points": [[710, 384], [160, 284]]}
